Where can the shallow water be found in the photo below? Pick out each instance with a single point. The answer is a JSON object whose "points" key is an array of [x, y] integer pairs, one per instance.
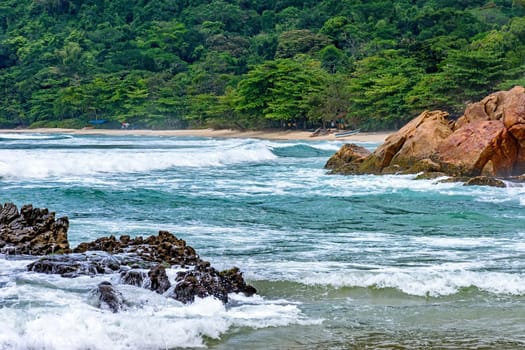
{"points": [[340, 262]]}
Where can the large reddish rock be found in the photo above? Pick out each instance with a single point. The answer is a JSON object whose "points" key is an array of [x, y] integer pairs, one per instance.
{"points": [[413, 143], [490, 108], [489, 139], [514, 120], [470, 149], [421, 142]]}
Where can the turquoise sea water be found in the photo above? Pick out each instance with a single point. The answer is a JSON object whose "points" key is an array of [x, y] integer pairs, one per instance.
{"points": [[340, 262]]}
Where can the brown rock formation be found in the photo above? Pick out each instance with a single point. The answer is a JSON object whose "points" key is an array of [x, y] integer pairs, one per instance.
{"points": [[350, 156], [163, 248], [412, 144], [473, 146], [35, 231], [32, 231], [488, 139]]}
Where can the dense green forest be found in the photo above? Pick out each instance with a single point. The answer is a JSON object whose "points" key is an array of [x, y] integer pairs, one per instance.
{"points": [[252, 63]]}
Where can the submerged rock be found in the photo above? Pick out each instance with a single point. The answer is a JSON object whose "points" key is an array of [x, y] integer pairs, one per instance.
{"points": [[206, 281], [484, 181], [488, 140], [32, 231], [105, 296], [78, 264]]}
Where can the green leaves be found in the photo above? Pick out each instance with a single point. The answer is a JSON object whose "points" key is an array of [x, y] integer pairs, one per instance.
{"points": [[378, 88], [163, 63], [280, 89]]}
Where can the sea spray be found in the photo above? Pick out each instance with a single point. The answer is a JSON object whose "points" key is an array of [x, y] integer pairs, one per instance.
{"points": [[339, 261]]}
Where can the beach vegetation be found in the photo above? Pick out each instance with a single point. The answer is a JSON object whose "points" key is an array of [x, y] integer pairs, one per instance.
{"points": [[252, 64]]}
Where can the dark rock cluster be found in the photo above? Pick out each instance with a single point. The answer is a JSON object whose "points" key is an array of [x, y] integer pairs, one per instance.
{"points": [[164, 247], [139, 261], [32, 231]]}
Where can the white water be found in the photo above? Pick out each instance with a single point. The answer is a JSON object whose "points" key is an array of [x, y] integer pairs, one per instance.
{"points": [[329, 254], [50, 312]]}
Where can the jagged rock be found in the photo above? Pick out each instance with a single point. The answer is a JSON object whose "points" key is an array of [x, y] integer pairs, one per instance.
{"points": [[32, 231], [484, 181], [105, 296], [205, 281], [163, 248]]}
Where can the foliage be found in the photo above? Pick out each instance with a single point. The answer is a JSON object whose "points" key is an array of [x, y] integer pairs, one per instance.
{"points": [[250, 64]]}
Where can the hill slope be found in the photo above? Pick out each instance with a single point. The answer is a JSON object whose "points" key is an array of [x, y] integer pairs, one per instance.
{"points": [[247, 63]]}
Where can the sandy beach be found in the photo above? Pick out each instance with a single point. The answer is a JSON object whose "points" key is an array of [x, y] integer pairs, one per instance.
{"points": [[264, 134]]}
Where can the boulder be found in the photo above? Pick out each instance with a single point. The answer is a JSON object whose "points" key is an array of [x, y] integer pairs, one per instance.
{"points": [[347, 159], [32, 231], [468, 151], [414, 142], [105, 296]]}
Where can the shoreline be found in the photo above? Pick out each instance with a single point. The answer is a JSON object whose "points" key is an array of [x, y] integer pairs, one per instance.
{"points": [[213, 133]]}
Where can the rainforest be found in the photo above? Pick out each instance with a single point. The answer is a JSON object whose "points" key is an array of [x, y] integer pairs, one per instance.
{"points": [[249, 64]]}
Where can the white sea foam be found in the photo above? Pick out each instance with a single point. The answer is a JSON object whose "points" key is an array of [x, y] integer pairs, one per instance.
{"points": [[16, 137], [38, 164], [79, 326], [424, 282], [50, 312]]}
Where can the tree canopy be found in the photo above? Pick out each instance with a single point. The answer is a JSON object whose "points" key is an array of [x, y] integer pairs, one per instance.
{"points": [[252, 63]]}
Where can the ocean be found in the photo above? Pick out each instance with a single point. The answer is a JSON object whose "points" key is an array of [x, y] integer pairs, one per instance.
{"points": [[339, 262]]}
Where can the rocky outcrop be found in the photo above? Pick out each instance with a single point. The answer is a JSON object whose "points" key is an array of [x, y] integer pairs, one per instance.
{"points": [[163, 248], [205, 281], [140, 262], [489, 140], [484, 181], [32, 231]]}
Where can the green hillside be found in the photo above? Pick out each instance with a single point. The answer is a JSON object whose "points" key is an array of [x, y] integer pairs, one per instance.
{"points": [[252, 64]]}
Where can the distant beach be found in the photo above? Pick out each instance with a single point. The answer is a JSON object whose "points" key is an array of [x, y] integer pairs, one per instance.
{"points": [[223, 133]]}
